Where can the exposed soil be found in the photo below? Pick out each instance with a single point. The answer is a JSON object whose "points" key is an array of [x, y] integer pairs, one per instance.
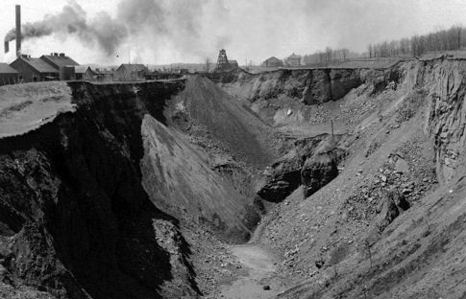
{"points": [[260, 266], [347, 183]]}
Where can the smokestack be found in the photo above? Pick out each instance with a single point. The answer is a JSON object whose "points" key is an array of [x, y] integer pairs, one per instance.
{"points": [[18, 30]]}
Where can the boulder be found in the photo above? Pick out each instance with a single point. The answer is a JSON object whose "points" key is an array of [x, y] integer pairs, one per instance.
{"points": [[401, 166], [318, 171], [284, 176], [393, 203]]}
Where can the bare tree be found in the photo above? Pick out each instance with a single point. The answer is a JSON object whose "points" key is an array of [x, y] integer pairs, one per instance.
{"points": [[207, 65]]}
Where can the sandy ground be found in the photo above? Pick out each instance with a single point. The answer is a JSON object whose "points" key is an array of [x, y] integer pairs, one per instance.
{"points": [[25, 107], [261, 265]]}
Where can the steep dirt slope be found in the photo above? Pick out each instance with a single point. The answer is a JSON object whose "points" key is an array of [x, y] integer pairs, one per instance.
{"points": [[95, 198], [391, 224], [76, 222], [303, 101], [205, 111], [179, 181]]}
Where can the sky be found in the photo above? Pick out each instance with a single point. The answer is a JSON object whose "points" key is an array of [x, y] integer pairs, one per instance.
{"points": [[169, 31]]}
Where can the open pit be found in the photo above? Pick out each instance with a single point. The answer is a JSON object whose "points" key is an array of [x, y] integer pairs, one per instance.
{"points": [[309, 183]]}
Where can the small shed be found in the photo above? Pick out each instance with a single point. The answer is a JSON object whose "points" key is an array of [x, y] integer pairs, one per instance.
{"points": [[8, 75], [130, 72], [34, 69], [85, 73]]}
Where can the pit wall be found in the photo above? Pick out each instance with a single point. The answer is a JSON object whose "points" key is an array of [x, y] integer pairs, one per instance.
{"points": [[84, 208], [443, 80], [310, 86]]}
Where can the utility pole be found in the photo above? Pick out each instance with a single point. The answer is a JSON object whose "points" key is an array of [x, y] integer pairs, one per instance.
{"points": [[331, 123]]}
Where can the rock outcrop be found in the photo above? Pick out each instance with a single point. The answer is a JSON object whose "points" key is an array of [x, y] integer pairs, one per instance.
{"points": [[318, 171], [379, 228], [303, 165], [284, 175], [392, 205], [311, 86]]}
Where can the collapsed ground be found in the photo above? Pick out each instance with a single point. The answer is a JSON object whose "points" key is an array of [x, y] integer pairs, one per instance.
{"points": [[351, 178]]}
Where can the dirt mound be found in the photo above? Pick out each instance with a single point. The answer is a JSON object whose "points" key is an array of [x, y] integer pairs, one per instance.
{"points": [[179, 181], [203, 109]]}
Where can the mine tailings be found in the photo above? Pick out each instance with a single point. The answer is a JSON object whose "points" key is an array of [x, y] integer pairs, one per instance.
{"points": [[101, 185]]}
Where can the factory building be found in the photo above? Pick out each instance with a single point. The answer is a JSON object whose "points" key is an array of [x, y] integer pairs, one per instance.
{"points": [[8, 75], [62, 63], [34, 69], [48, 67], [130, 72]]}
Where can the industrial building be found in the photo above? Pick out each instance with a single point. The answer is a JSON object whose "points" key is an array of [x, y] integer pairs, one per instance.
{"points": [[34, 69], [273, 62], [62, 63], [8, 75], [48, 67], [130, 72]]}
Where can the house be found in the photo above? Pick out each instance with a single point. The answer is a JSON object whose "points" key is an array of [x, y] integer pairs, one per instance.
{"points": [[293, 60], [62, 63], [85, 73], [34, 69], [273, 62], [8, 75], [130, 72], [105, 75]]}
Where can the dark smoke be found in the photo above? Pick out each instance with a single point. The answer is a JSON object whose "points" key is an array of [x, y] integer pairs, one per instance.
{"points": [[104, 31], [145, 23]]}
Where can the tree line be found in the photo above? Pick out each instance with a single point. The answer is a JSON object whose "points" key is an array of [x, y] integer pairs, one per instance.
{"points": [[328, 56], [443, 40]]}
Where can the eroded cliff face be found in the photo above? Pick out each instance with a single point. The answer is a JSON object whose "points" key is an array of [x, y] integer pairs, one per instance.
{"points": [[93, 197], [311, 86], [395, 211], [76, 222], [445, 84]]}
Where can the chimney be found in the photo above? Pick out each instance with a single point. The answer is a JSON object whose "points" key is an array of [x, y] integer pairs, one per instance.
{"points": [[18, 30]]}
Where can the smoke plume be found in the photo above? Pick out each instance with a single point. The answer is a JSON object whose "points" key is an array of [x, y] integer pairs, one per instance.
{"points": [[159, 31], [101, 30], [143, 23]]}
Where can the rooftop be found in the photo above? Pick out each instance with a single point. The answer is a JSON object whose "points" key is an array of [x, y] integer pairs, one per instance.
{"points": [[81, 69], [38, 64], [133, 67], [59, 59], [6, 69]]}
